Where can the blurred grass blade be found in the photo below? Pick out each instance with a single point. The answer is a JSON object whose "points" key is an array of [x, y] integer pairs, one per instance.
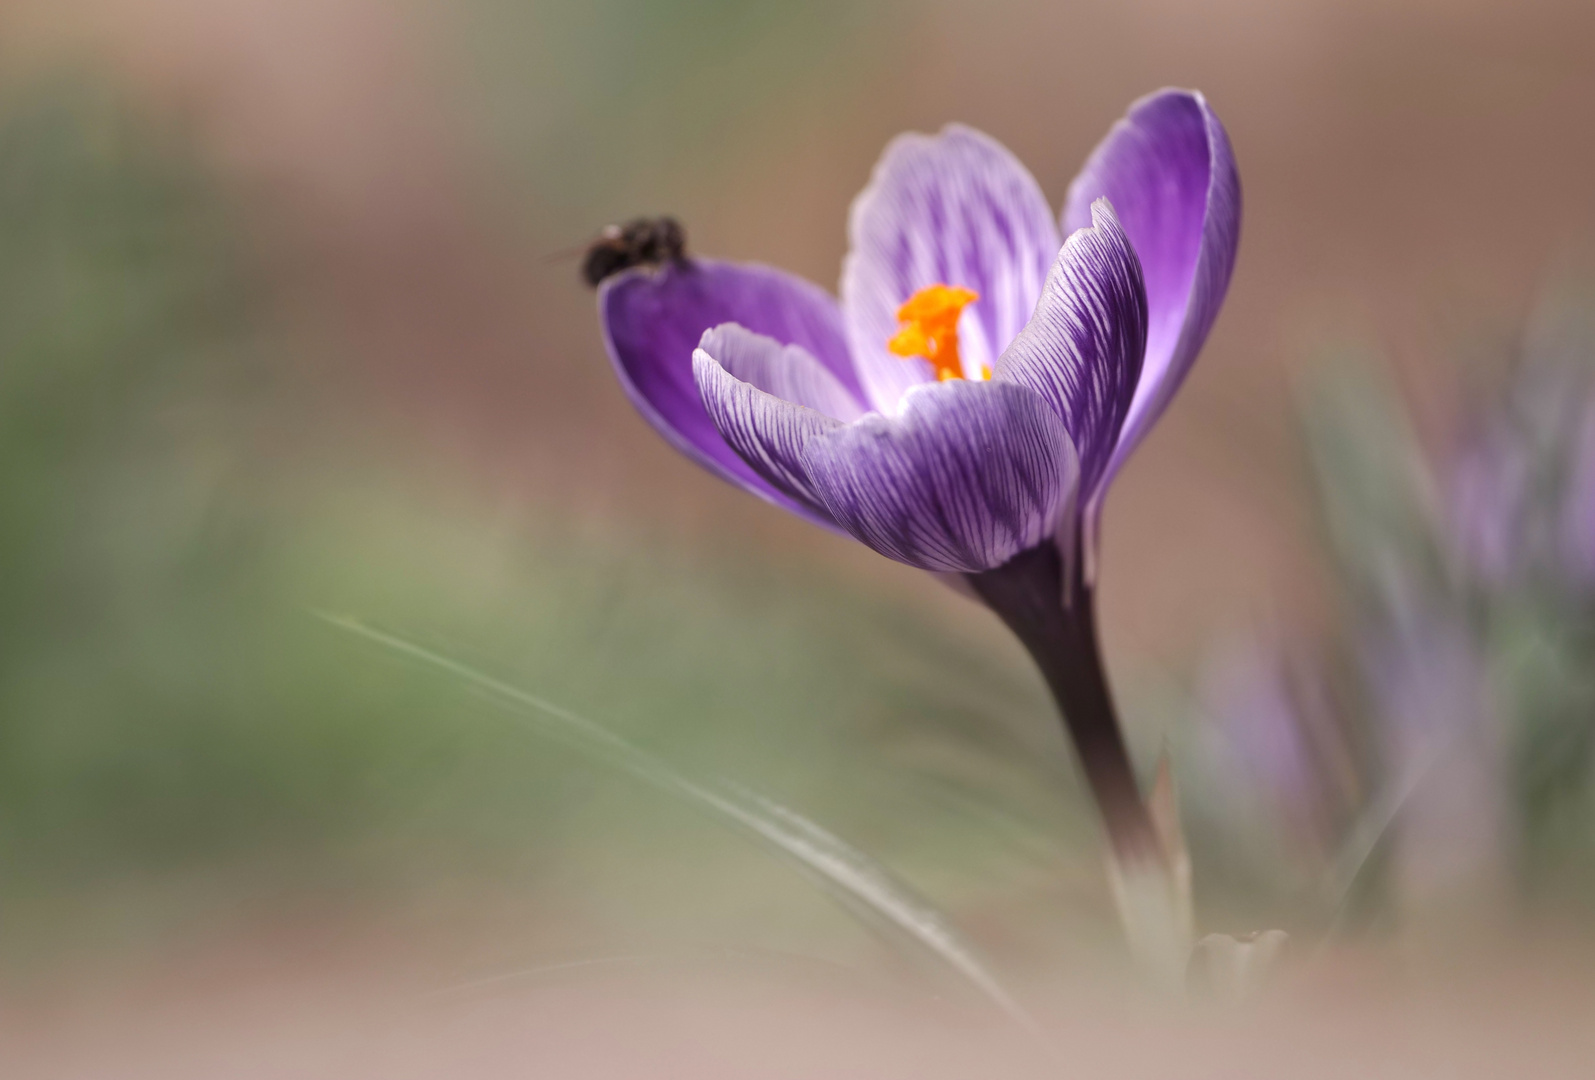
{"points": [[855, 878], [1379, 504], [1367, 833], [861, 884]]}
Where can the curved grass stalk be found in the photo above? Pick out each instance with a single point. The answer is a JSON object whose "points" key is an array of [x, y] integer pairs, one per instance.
{"points": [[862, 885], [1368, 832]]}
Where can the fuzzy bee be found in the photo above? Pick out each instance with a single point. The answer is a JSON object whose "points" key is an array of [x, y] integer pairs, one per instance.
{"points": [[640, 242]]}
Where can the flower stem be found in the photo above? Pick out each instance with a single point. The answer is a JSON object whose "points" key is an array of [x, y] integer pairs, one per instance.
{"points": [[1028, 594]]}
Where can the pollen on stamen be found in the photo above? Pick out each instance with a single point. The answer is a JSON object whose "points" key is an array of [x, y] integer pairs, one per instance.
{"points": [[929, 329]]}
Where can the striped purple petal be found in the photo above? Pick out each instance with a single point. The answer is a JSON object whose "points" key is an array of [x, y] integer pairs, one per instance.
{"points": [[965, 477], [788, 372], [1169, 172], [1082, 349], [653, 321], [767, 432], [953, 209]]}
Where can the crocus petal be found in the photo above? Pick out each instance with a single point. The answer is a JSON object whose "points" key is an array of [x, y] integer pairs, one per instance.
{"points": [[653, 320], [966, 476], [953, 209], [768, 433], [1169, 172], [788, 372], [1082, 349]]}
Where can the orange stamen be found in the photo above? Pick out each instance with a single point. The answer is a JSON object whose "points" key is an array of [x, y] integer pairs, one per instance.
{"points": [[929, 329]]}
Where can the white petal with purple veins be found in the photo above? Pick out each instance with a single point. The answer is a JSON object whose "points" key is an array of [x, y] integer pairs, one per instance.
{"points": [[788, 372], [1082, 349], [968, 475], [950, 209], [653, 319], [767, 433]]}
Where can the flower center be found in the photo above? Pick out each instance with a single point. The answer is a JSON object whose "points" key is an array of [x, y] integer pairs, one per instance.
{"points": [[929, 329]]}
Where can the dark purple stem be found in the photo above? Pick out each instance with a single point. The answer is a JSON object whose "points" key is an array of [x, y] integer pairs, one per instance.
{"points": [[1027, 593]]}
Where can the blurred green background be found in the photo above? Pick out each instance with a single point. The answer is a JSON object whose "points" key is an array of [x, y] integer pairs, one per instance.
{"points": [[184, 739], [285, 327]]}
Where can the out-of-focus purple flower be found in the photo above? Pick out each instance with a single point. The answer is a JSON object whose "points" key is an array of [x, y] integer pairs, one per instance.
{"points": [[1576, 525], [1285, 740], [1521, 488], [1488, 500], [1430, 693], [965, 405], [1067, 356]]}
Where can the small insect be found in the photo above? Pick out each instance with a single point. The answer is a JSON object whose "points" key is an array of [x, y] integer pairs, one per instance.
{"points": [[640, 242]]}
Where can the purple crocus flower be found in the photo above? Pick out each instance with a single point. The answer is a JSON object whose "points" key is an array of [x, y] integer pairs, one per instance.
{"points": [[986, 374]]}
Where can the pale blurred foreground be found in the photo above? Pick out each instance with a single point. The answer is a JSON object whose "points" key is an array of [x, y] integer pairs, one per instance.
{"points": [[268, 1015]]}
